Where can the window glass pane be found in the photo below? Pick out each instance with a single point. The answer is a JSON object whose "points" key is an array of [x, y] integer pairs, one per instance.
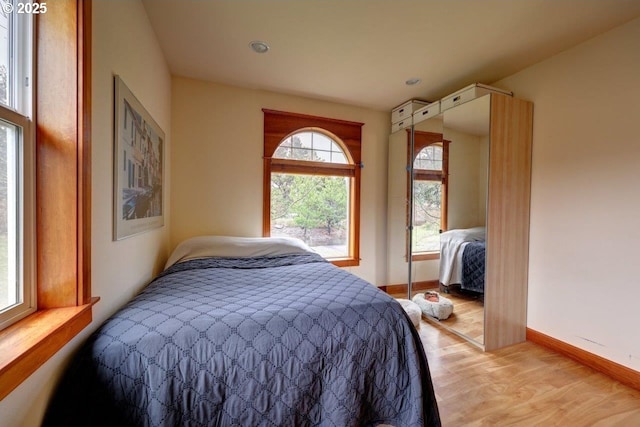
{"points": [[9, 291], [311, 146], [282, 152], [321, 142], [300, 148], [302, 154], [337, 154], [323, 156], [427, 197], [338, 158], [312, 208], [429, 158], [286, 143], [303, 140], [6, 42]]}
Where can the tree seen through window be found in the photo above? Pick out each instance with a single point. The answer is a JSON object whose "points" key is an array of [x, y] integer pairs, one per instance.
{"points": [[430, 173], [312, 207]]}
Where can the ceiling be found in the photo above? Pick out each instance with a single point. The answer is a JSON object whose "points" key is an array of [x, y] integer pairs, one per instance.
{"points": [[361, 52]]}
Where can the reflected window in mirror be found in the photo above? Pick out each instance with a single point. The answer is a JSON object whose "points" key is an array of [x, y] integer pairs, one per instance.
{"points": [[430, 172]]}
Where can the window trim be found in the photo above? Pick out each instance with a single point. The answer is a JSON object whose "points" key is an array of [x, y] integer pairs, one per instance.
{"points": [[19, 113], [311, 168], [421, 140], [63, 230], [278, 125], [25, 218]]}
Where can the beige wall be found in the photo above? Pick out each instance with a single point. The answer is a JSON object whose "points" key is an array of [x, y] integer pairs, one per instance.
{"points": [[124, 44], [396, 243], [217, 164], [468, 165], [583, 280]]}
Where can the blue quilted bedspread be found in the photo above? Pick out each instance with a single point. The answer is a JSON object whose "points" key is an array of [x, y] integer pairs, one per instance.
{"points": [[278, 341], [473, 262]]}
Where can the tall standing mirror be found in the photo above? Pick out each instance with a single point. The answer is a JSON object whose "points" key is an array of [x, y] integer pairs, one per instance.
{"points": [[462, 245], [481, 150], [428, 239]]}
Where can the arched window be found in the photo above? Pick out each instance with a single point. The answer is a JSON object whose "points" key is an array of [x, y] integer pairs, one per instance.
{"points": [[430, 173], [312, 145], [312, 183]]}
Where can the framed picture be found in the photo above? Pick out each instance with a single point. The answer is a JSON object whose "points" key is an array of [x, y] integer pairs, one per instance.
{"points": [[138, 166]]}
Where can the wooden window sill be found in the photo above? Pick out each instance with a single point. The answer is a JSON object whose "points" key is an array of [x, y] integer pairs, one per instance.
{"points": [[344, 262], [27, 344], [425, 256]]}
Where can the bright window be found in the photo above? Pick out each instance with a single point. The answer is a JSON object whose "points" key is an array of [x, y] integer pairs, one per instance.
{"points": [[313, 208], [312, 173], [59, 143], [311, 146], [17, 287], [430, 170]]}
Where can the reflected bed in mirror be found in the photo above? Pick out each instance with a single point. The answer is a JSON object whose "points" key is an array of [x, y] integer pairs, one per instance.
{"points": [[462, 259], [462, 273]]}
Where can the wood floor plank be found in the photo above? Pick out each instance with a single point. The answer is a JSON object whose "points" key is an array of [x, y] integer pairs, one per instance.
{"points": [[521, 385], [468, 314]]}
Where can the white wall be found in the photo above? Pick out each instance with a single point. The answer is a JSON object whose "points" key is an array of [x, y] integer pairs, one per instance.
{"points": [[583, 282], [124, 44], [217, 164]]}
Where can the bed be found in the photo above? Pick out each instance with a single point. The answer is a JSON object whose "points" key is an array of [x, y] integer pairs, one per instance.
{"points": [[462, 258], [250, 332]]}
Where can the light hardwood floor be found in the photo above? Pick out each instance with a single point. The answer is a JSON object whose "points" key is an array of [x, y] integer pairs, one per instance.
{"points": [[521, 385], [467, 317]]}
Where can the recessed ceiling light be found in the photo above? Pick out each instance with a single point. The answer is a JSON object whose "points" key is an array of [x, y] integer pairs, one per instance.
{"points": [[258, 46], [413, 81]]}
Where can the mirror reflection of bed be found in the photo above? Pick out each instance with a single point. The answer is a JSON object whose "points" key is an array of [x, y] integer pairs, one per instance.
{"points": [[461, 280]]}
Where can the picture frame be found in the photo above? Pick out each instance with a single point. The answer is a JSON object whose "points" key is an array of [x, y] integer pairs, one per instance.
{"points": [[138, 166]]}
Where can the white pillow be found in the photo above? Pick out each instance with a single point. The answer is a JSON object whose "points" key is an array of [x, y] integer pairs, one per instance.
{"points": [[236, 247]]}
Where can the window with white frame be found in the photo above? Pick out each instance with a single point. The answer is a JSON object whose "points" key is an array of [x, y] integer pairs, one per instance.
{"points": [[17, 286]]}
